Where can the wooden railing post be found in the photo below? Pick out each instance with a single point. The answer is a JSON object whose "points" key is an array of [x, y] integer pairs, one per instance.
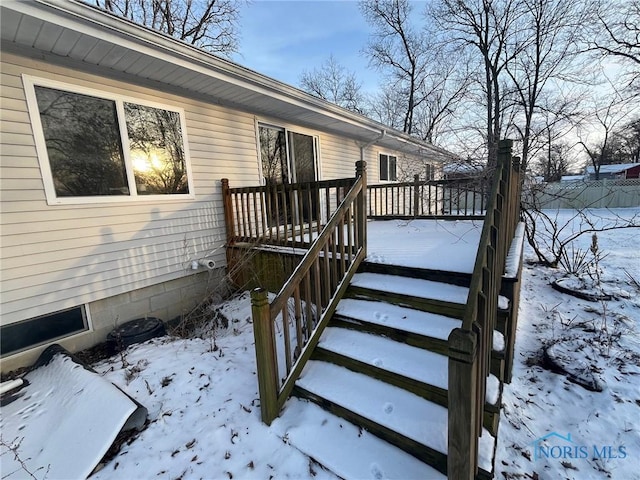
{"points": [[462, 452], [228, 211], [416, 195], [266, 360], [361, 204]]}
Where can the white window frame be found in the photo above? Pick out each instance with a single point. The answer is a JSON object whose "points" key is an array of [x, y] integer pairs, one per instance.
{"points": [[89, 328], [287, 129], [30, 82], [396, 160]]}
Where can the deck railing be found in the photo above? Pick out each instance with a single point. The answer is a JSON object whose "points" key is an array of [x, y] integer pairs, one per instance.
{"points": [[304, 305], [470, 347], [464, 197], [281, 214]]}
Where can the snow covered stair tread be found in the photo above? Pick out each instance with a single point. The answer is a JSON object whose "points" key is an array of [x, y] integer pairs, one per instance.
{"points": [[392, 407], [345, 449], [402, 318], [412, 362], [415, 287]]}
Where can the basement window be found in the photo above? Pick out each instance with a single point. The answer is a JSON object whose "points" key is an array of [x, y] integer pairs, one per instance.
{"points": [[388, 167], [19, 336], [95, 147]]}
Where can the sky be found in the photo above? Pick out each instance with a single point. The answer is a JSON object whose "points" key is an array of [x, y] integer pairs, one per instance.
{"points": [[281, 39]]}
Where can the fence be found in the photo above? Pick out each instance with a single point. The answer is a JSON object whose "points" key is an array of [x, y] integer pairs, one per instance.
{"points": [[609, 193]]}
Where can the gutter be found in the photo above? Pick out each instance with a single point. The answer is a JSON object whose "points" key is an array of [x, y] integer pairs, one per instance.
{"points": [[363, 147]]}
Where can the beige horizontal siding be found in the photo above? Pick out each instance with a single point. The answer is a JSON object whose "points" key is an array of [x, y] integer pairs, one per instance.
{"points": [[54, 257]]}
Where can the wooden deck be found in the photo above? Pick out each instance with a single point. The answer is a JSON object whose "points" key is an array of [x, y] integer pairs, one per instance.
{"points": [[432, 244], [393, 292]]}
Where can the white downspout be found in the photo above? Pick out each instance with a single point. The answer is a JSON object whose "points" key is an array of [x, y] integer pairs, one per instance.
{"points": [[368, 144]]}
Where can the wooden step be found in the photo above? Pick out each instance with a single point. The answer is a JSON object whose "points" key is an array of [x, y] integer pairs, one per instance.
{"points": [[453, 278], [424, 295], [400, 418], [347, 450], [414, 369]]}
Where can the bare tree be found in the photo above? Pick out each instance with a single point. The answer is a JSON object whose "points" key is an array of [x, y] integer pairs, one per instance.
{"points": [[398, 48], [597, 131], [546, 42], [208, 24], [617, 34], [332, 82], [555, 162], [487, 28], [387, 106]]}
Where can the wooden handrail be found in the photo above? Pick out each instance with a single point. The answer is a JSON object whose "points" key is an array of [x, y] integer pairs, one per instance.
{"points": [[470, 346], [315, 287]]}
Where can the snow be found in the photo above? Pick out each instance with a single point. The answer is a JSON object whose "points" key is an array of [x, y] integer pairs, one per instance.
{"points": [[498, 341], [63, 422], [448, 245], [344, 448], [402, 411], [204, 411], [416, 363], [515, 253], [411, 286], [407, 319], [604, 337], [493, 390]]}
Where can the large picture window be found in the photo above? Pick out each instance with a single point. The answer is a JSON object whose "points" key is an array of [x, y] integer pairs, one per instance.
{"points": [[97, 148], [388, 165]]}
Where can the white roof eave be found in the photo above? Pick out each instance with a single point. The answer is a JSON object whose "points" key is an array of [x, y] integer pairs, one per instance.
{"points": [[79, 17]]}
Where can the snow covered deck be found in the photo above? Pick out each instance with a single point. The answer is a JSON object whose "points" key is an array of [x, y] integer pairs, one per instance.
{"points": [[447, 245]]}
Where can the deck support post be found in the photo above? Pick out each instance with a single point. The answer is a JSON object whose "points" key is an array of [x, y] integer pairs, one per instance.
{"points": [[361, 208], [266, 360], [462, 452]]}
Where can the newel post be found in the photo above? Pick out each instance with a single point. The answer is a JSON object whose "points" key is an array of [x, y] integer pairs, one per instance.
{"points": [[228, 211], [361, 172], [416, 195], [462, 456], [266, 361]]}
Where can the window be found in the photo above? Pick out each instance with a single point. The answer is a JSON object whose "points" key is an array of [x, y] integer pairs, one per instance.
{"points": [[388, 167], [288, 157], [430, 172], [95, 148], [23, 335]]}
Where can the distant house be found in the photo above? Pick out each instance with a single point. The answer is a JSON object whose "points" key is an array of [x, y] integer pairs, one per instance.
{"points": [[572, 178], [114, 142], [459, 170], [621, 170]]}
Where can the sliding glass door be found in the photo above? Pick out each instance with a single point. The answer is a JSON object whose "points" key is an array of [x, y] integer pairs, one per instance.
{"points": [[288, 157]]}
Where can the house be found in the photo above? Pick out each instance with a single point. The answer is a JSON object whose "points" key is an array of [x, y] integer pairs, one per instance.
{"points": [[459, 169], [114, 142], [617, 171], [572, 178]]}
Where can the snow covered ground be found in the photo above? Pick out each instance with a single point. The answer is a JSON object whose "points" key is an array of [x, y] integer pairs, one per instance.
{"points": [[204, 409], [589, 434]]}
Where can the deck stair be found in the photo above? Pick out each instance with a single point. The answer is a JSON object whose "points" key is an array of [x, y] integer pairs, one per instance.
{"points": [[391, 367], [378, 379]]}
